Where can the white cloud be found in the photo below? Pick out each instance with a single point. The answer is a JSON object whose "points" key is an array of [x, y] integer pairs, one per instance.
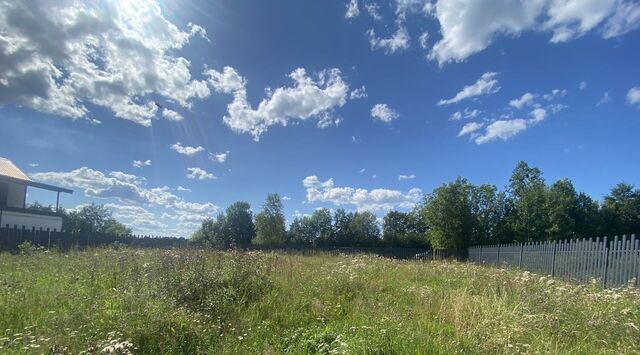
{"points": [[384, 113], [404, 7], [605, 99], [327, 120], [359, 93], [486, 85], [525, 100], [504, 129], [398, 42], [286, 198], [406, 177], [633, 96], [171, 115], [140, 163], [34, 165], [187, 150], [424, 40], [61, 56], [582, 85], [219, 157], [554, 94], [139, 219], [374, 10], [467, 114], [308, 97], [470, 128], [199, 174], [183, 189], [362, 199], [123, 187], [470, 26], [352, 9], [362, 170]]}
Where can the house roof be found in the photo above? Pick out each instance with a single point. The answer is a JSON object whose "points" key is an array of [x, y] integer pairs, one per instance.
{"points": [[10, 172]]}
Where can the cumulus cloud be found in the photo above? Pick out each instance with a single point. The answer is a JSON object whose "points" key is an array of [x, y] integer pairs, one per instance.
{"points": [[199, 174], [353, 10], [398, 42], [384, 113], [123, 187], [171, 115], [362, 199], [187, 150], [466, 114], [359, 93], [140, 163], [554, 94], [183, 189], [486, 85], [502, 129], [308, 98], [139, 219], [470, 128], [424, 40], [374, 10], [582, 85], [406, 177], [633, 96], [219, 157], [525, 100], [470, 26], [60, 57]]}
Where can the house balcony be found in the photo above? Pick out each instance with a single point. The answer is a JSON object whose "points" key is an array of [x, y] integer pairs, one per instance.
{"points": [[22, 218]]}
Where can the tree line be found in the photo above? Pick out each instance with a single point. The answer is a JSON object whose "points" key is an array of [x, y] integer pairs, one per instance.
{"points": [[453, 216]]}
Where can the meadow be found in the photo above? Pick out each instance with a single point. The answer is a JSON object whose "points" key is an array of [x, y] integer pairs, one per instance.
{"points": [[120, 301]]}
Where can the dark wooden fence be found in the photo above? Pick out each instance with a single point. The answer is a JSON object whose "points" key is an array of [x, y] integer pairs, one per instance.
{"points": [[11, 238], [612, 262], [388, 252]]}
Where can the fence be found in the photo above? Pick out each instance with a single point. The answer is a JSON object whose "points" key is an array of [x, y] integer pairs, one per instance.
{"points": [[11, 238], [387, 252], [613, 262]]}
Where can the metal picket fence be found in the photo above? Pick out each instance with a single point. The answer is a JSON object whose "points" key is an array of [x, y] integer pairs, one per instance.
{"points": [[613, 263]]}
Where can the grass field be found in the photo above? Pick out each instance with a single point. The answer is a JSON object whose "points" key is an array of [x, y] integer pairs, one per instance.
{"points": [[188, 301]]}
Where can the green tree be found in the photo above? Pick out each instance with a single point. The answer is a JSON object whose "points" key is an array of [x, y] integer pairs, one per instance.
{"points": [[621, 210], [270, 222], [342, 234], [404, 230], [490, 209], [239, 224], [571, 215], [365, 229], [530, 220], [447, 212], [91, 219]]}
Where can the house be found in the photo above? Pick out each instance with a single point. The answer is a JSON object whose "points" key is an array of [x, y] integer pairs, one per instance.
{"points": [[13, 195]]}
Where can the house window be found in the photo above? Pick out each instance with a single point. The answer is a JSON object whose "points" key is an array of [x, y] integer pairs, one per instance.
{"points": [[4, 194]]}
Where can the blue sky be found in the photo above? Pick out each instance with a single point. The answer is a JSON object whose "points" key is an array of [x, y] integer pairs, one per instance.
{"points": [[326, 105]]}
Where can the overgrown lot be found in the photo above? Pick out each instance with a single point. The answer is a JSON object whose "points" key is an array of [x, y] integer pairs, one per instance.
{"points": [[189, 301]]}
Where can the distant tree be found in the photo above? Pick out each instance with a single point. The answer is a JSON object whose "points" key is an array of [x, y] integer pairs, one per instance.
{"points": [[365, 229], [404, 230], [312, 230], [447, 212], [37, 206], [322, 223], [571, 214], [490, 209], [239, 224], [588, 218], [270, 222], [342, 233], [93, 219], [621, 210], [529, 220]]}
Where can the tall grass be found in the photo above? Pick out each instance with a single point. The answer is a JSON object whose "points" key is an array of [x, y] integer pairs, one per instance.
{"points": [[190, 301]]}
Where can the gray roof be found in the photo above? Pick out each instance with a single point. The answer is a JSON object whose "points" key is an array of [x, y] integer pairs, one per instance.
{"points": [[10, 172]]}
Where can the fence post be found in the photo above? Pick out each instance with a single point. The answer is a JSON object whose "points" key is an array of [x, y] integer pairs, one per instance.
{"points": [[606, 262], [520, 258], [553, 260]]}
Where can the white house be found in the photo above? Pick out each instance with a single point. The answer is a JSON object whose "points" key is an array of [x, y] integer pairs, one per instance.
{"points": [[13, 194]]}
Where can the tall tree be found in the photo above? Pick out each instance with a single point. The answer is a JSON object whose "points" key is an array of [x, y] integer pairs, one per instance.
{"points": [[364, 227], [270, 222], [92, 219], [527, 190], [342, 234], [447, 211], [490, 209], [239, 223], [621, 210], [404, 230]]}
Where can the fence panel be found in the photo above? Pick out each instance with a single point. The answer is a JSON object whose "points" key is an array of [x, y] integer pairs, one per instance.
{"points": [[614, 263]]}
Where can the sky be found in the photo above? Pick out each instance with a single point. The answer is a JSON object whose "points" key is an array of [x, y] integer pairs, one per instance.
{"points": [[169, 111]]}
